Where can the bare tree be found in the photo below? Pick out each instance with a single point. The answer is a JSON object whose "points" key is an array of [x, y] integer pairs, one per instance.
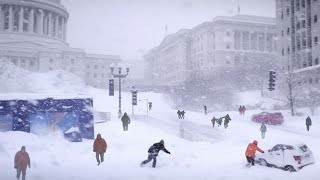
{"points": [[310, 99]]}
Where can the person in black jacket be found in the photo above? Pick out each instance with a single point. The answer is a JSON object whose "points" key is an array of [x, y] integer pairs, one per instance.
{"points": [[153, 153], [125, 121], [308, 123]]}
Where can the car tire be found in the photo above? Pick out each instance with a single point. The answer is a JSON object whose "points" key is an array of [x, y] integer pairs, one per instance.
{"points": [[263, 162], [289, 168]]}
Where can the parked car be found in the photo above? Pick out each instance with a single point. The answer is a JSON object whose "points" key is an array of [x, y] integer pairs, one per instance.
{"points": [[268, 118], [287, 157]]}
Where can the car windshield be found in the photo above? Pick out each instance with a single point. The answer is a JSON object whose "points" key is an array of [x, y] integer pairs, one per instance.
{"points": [[304, 148]]}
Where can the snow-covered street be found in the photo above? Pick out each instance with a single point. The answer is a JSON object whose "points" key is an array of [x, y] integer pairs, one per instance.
{"points": [[204, 153]]}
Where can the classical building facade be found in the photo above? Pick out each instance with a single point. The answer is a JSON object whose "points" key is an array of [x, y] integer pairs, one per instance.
{"points": [[228, 42], [33, 36], [166, 64], [298, 28]]}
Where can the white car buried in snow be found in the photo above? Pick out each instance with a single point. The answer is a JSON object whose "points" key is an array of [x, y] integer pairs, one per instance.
{"points": [[287, 157]]}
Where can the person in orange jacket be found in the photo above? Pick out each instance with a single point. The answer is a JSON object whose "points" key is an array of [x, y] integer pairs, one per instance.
{"points": [[21, 162], [99, 147], [251, 152]]}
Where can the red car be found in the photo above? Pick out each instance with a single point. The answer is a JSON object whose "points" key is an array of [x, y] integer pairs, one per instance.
{"points": [[268, 118]]}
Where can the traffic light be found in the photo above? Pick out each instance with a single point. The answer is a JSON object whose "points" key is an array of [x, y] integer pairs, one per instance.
{"points": [[134, 98], [272, 80], [111, 87]]}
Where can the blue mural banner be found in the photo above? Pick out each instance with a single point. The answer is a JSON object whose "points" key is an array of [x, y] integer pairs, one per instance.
{"points": [[71, 116]]}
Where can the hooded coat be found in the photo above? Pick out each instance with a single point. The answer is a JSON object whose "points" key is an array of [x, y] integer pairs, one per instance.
{"points": [[252, 148], [99, 145], [22, 159], [156, 147], [308, 121], [125, 119], [263, 128]]}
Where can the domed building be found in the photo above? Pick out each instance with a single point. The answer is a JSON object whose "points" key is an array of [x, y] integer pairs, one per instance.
{"points": [[33, 36]]}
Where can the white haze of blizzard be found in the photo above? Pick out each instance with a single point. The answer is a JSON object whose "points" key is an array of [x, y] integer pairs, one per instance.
{"points": [[17, 80], [206, 153]]}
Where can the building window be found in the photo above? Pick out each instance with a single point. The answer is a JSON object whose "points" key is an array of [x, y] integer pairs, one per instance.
{"points": [[304, 40], [315, 18], [282, 33], [316, 41], [298, 25], [288, 50], [51, 60], [288, 31], [281, 14], [25, 19], [282, 52], [316, 61], [309, 59], [298, 42], [304, 64], [303, 3], [72, 61], [228, 46], [298, 5], [288, 11], [228, 33], [303, 23]]}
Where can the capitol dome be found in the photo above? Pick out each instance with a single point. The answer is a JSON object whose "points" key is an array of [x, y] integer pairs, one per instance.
{"points": [[38, 21]]}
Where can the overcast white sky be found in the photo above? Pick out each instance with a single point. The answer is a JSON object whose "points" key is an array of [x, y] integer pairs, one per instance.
{"points": [[130, 28]]}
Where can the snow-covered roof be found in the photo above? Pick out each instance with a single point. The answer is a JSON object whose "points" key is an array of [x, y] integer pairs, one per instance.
{"points": [[246, 19]]}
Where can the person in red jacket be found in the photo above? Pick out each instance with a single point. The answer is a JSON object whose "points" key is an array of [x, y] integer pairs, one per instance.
{"points": [[100, 147], [21, 162], [251, 152]]}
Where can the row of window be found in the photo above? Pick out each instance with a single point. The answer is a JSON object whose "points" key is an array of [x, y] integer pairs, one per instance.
{"points": [[315, 80], [95, 75], [301, 45], [298, 5], [51, 61], [95, 66]]}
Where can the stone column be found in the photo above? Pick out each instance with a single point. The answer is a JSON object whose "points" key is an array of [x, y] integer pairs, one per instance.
{"points": [[21, 19], [250, 45], [10, 18], [266, 42], [31, 20], [40, 22], [49, 24], [241, 40], [57, 27], [64, 30]]}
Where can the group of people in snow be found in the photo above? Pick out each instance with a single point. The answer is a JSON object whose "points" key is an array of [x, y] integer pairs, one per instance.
{"points": [[226, 121], [242, 110], [181, 114]]}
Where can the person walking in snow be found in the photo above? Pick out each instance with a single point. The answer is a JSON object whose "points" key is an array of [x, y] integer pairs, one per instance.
{"points": [[150, 106], [243, 110], [308, 123], [263, 130], [21, 162], [251, 152], [213, 120], [227, 119], [99, 147], [125, 121], [153, 153], [182, 114], [205, 109], [219, 121], [240, 110], [179, 114]]}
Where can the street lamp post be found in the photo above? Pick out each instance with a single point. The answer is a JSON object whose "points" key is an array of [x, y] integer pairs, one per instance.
{"points": [[119, 75]]}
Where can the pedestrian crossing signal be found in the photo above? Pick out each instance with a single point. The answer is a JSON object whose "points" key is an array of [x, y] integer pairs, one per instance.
{"points": [[134, 98]]}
